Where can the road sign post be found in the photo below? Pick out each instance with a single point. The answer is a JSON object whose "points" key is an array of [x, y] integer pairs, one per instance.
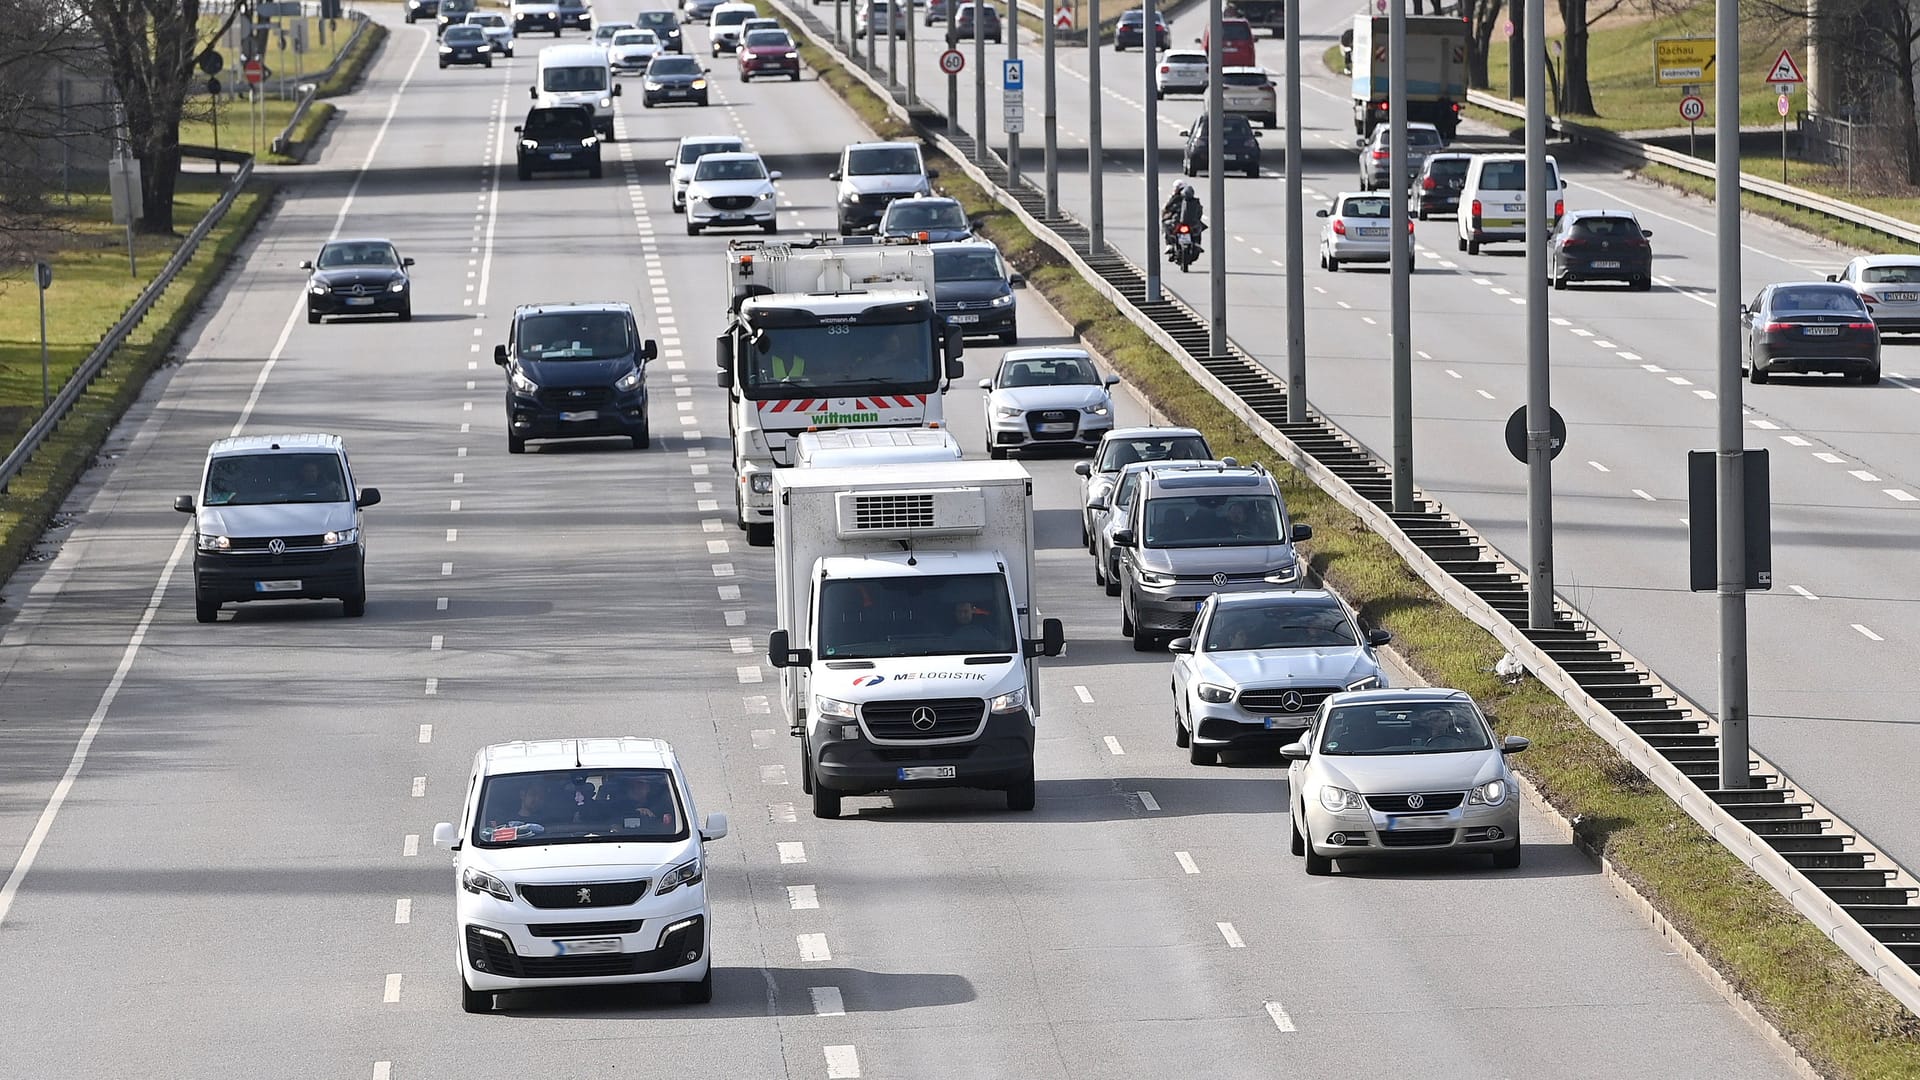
{"points": [[1050, 120], [43, 277], [1692, 108], [1015, 105], [1783, 77], [1683, 61]]}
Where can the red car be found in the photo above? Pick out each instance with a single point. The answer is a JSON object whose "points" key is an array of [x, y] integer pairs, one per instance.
{"points": [[1236, 40], [768, 52]]}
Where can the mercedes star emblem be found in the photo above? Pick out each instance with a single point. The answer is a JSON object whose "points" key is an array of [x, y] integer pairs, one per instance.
{"points": [[585, 896], [1219, 580], [924, 718], [1416, 801], [1290, 701], [277, 546]]}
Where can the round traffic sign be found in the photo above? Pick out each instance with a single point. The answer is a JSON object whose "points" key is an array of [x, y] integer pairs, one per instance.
{"points": [[1692, 108], [210, 62], [255, 71], [1508, 28], [1785, 104], [1517, 434], [952, 61]]}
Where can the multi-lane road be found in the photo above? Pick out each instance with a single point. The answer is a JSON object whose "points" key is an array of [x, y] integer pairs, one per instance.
{"points": [[1834, 645], [213, 835]]}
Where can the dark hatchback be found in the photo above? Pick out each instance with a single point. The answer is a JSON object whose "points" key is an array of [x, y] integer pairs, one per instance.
{"points": [[674, 78], [1438, 184], [1127, 33], [465, 45], [358, 277], [453, 13], [575, 371], [1240, 149], [665, 26], [933, 219], [559, 139], [973, 291], [1600, 245], [575, 13], [962, 28], [1801, 327]]}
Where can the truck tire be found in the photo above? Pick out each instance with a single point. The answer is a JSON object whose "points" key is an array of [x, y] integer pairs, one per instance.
{"points": [[1020, 794], [826, 802], [759, 535]]}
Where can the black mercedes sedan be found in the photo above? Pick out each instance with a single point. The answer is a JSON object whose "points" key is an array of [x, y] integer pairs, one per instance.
{"points": [[358, 277], [1798, 327]]}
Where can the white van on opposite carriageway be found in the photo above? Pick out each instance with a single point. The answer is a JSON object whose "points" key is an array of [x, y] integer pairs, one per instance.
{"points": [[876, 446], [577, 75]]}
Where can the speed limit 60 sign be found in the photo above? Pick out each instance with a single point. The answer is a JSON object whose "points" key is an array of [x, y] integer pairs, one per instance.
{"points": [[952, 61], [1692, 108]]}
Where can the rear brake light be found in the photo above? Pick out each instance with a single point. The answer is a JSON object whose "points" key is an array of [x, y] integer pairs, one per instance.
{"points": [[1869, 298], [1165, 70], [1572, 242], [1456, 106], [1476, 208], [1409, 228], [1778, 327], [1186, 228], [1860, 326], [1339, 227], [1381, 155], [1559, 208], [1428, 184]]}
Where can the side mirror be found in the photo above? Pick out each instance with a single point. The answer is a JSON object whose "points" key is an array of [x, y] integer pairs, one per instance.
{"points": [[1197, 41], [933, 174], [709, 71], [1256, 134], [1185, 133], [533, 92], [1053, 639], [1361, 143], [1378, 636], [500, 355], [445, 836], [649, 349], [1017, 281], [1123, 538], [1099, 504], [1294, 751], [956, 346], [183, 503], [1180, 645], [714, 828], [368, 497], [519, 129], [1320, 213], [1083, 468], [956, 369], [669, 163], [616, 89], [408, 261], [1743, 307], [986, 384], [724, 379], [1302, 532], [1513, 744], [1563, 185], [774, 175], [1745, 311], [834, 175], [781, 655], [1647, 234], [307, 264], [1111, 380]]}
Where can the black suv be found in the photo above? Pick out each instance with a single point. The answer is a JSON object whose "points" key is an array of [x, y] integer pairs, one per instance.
{"points": [[453, 13], [1438, 185], [575, 371], [1129, 31], [575, 13], [666, 28], [558, 139], [1240, 150]]}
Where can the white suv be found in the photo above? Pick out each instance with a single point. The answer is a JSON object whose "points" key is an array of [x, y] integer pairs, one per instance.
{"points": [[577, 863]]}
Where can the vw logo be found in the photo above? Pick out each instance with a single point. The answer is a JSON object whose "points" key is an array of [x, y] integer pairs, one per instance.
{"points": [[1219, 580], [1416, 801], [277, 546], [585, 896], [924, 718], [1290, 701]]}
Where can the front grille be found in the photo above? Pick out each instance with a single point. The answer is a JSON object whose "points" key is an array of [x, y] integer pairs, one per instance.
{"points": [[576, 397], [1268, 699], [598, 894], [952, 718], [497, 956], [1432, 802], [1232, 579], [1416, 837], [893, 512], [259, 562], [1053, 416], [585, 929], [730, 202], [259, 543]]}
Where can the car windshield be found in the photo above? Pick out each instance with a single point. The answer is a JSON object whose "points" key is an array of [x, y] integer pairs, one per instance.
{"points": [[1120, 453], [271, 479], [608, 31], [557, 123], [768, 39], [1049, 371], [1237, 126], [821, 358], [872, 618], [962, 264], [1365, 207], [1423, 138], [674, 65], [1447, 167], [883, 161], [731, 18], [1184, 521], [1891, 275], [692, 152], [456, 7], [658, 20], [1236, 31], [1827, 298], [565, 80], [721, 168], [1511, 176], [579, 806], [377, 253], [1287, 624], [574, 335], [486, 20], [464, 35], [1184, 58], [910, 216], [634, 37], [1245, 78], [1403, 727]]}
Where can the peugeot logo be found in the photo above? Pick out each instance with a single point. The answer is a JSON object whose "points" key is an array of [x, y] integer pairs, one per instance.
{"points": [[1219, 580], [1416, 801], [1290, 701], [277, 546], [585, 896], [924, 718]]}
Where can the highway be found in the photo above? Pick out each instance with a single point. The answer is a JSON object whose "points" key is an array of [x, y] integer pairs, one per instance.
{"points": [[1634, 377], [215, 835]]}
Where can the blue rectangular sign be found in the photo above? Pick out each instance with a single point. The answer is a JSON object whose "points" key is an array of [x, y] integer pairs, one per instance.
{"points": [[1013, 75]]}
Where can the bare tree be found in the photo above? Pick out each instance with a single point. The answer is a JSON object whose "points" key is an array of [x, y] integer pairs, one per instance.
{"points": [[150, 47], [1481, 16], [40, 42], [1577, 21], [1877, 42]]}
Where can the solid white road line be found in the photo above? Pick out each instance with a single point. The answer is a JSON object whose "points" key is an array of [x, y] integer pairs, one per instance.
{"points": [[1280, 1018], [813, 947], [1868, 634], [1233, 936], [1186, 862], [827, 1001], [803, 897], [843, 1063]]}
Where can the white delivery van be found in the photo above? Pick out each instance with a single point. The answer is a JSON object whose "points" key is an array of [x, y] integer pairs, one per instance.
{"points": [[840, 449], [578, 75], [1493, 200]]}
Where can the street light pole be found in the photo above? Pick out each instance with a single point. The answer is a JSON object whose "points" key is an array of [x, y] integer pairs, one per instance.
{"points": [[1296, 232], [1730, 482], [1217, 174], [1012, 30], [1540, 197], [1150, 162], [913, 67], [1402, 257], [979, 84], [1096, 179], [1052, 166]]}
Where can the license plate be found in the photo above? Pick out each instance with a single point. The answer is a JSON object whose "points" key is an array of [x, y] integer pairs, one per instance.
{"points": [[677, 93], [1514, 208], [1371, 232], [1605, 264], [927, 772], [589, 414], [1427, 821], [1055, 428], [359, 301], [568, 156], [1198, 604], [597, 946], [731, 217], [1823, 331], [1900, 297], [276, 586], [963, 318]]}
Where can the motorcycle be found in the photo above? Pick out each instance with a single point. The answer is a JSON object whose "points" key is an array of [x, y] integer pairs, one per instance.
{"points": [[1185, 248]]}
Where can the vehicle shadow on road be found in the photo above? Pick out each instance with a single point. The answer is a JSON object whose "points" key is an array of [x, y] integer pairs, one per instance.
{"points": [[1084, 799], [742, 992], [1550, 860]]}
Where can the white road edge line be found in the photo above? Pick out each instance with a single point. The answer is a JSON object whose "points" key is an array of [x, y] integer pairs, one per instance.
{"points": [[1803, 592]]}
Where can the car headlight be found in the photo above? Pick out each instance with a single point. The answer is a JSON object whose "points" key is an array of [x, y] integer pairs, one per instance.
{"points": [[851, 196], [214, 543], [1491, 793], [687, 873], [486, 48], [1336, 799], [1008, 411], [320, 290], [826, 706], [1151, 579], [446, 48], [479, 881], [631, 380], [340, 536], [1099, 409], [1284, 575], [1009, 701], [398, 286], [589, 142], [523, 384], [606, 103], [699, 84], [1215, 694], [766, 195], [1371, 682], [1003, 301], [529, 144], [760, 483], [650, 85]]}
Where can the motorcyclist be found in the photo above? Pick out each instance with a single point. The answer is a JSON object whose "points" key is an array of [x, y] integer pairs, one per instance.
{"points": [[1182, 208]]}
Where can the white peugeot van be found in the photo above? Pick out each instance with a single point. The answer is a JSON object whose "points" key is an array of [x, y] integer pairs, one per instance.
{"points": [[1493, 200], [578, 75], [577, 862]]}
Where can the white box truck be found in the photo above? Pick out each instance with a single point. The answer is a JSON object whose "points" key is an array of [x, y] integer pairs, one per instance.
{"points": [[906, 630]]}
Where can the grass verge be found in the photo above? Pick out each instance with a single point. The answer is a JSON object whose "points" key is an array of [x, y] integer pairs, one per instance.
{"points": [[91, 289], [1825, 1006], [197, 129]]}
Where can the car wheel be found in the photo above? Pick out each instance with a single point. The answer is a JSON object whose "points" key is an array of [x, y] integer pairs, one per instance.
{"points": [[698, 993], [1253, 172], [806, 769], [692, 229], [1202, 755], [1297, 845], [703, 101], [1333, 264], [1181, 736], [1473, 247], [1317, 865], [1143, 641], [516, 445], [1159, 95], [205, 611], [1420, 215], [406, 312], [488, 64], [526, 173], [795, 77], [1186, 167], [770, 227], [646, 102], [443, 65], [1010, 337], [475, 1001], [354, 605], [1126, 620], [1099, 577], [313, 316], [1461, 241], [826, 802], [760, 535], [1758, 373], [1644, 284], [1113, 581], [1273, 121], [643, 440], [595, 171], [1871, 377], [556, 31], [1559, 282], [997, 453], [1020, 794]]}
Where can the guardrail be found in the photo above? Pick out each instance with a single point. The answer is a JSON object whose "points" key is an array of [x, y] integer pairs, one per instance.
{"points": [[1641, 153], [1339, 464], [89, 369], [308, 91]]}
